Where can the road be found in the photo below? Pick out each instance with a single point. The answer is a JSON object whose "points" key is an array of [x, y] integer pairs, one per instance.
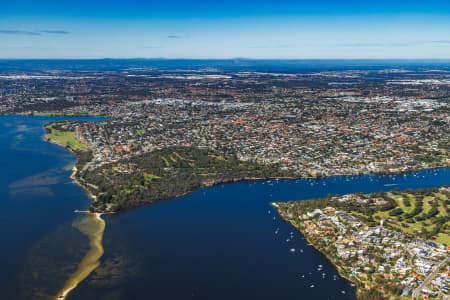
{"points": [[427, 279]]}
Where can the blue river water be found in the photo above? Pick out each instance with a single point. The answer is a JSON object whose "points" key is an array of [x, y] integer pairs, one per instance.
{"points": [[37, 200], [215, 243]]}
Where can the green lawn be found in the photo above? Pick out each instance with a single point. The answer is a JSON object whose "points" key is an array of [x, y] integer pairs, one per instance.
{"points": [[166, 162], [382, 215], [65, 138], [400, 222], [426, 204], [150, 177], [399, 200], [443, 238]]}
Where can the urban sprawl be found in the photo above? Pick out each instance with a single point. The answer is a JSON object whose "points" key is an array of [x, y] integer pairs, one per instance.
{"points": [[304, 124]]}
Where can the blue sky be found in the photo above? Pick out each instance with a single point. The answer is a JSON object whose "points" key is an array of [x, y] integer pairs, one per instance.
{"points": [[225, 29]]}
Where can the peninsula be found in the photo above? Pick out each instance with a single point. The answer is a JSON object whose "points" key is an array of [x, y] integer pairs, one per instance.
{"points": [[157, 175], [391, 245]]}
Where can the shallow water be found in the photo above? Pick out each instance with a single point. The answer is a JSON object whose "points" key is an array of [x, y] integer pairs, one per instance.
{"points": [[93, 227], [39, 246]]}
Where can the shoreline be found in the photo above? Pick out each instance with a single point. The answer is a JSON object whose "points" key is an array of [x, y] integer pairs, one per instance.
{"points": [[77, 182], [91, 260], [74, 167], [317, 248], [209, 184], [353, 283], [212, 183]]}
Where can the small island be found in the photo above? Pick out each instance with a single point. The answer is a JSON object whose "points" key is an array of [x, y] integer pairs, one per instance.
{"points": [[392, 245]]}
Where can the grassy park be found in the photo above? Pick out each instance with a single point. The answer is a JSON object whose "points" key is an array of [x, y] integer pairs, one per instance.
{"points": [[57, 133], [418, 213]]}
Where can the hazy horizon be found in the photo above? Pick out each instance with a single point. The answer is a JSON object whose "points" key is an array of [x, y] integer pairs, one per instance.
{"points": [[199, 29]]}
